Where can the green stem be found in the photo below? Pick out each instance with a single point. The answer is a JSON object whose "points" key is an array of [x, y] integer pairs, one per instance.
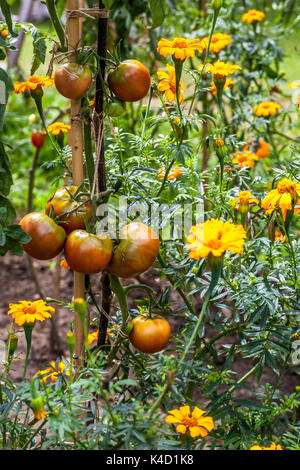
{"points": [[88, 151], [28, 335], [242, 379]]}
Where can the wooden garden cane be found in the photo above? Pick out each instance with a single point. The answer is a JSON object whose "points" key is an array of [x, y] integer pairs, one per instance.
{"points": [[73, 34]]}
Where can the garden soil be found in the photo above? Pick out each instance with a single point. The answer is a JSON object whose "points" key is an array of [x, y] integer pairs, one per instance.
{"points": [[17, 284]]}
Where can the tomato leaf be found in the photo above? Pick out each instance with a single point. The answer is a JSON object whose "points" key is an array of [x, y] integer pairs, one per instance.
{"points": [[5, 172], [7, 211], [107, 4], [157, 9], [6, 86]]}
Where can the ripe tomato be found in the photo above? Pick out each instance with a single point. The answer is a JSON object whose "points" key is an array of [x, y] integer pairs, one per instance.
{"points": [[47, 238], [88, 253], [72, 80], [150, 335], [37, 139], [61, 202], [129, 81], [136, 252]]}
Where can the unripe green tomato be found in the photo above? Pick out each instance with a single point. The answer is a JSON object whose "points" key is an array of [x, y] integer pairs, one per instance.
{"points": [[115, 108]]}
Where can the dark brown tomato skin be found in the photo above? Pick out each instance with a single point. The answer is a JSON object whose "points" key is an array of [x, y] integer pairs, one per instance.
{"points": [[150, 335], [136, 252], [88, 253], [72, 80], [61, 202], [129, 81], [47, 238]]}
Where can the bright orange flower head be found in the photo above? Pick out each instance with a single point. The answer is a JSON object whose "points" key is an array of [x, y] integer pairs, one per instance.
{"points": [[167, 84], [284, 197], [218, 42], [95, 334], [228, 84], [244, 158], [64, 264], [179, 48], [194, 422], [174, 173], [263, 150], [273, 446], [32, 83], [266, 108], [58, 127], [279, 237], [253, 15], [214, 237], [220, 70], [4, 32], [244, 199], [26, 312], [54, 371]]}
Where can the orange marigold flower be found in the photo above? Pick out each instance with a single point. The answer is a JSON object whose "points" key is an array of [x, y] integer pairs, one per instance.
{"points": [[243, 200], [279, 237], [167, 84], [26, 312], [194, 422], [64, 264], [38, 408], [220, 70], [179, 48], [263, 150], [174, 173], [244, 158], [4, 32], [32, 83], [228, 84], [273, 446], [218, 42], [54, 371], [253, 15], [266, 108], [95, 334], [284, 197], [214, 237], [58, 127]]}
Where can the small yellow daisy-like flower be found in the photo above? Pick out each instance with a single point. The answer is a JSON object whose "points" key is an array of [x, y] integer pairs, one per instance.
{"points": [[218, 42], [244, 158], [228, 84], [279, 237], [263, 150], [214, 237], [32, 83], [220, 70], [58, 127], [253, 15], [273, 446], [174, 173], [244, 199], [284, 197], [167, 84], [194, 422], [26, 312], [53, 372], [179, 48], [266, 108]]}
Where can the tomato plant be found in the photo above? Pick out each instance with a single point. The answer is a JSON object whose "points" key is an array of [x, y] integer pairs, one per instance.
{"points": [[88, 253], [115, 107], [72, 214], [37, 138], [150, 335], [72, 80], [130, 80], [136, 252], [47, 238]]}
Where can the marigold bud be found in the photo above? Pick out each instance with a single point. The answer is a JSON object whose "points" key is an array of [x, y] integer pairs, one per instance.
{"points": [[217, 4], [37, 405], [70, 338], [37, 94], [12, 344], [80, 306]]}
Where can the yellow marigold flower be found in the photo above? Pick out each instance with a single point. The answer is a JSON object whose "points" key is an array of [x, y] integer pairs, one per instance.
{"points": [[218, 42], [228, 84], [64, 264], [174, 173], [57, 127], [53, 372], [253, 15], [244, 158], [220, 70], [284, 197], [279, 237], [26, 312], [38, 408], [32, 83], [214, 237], [266, 108], [95, 334], [273, 446], [263, 150], [194, 422], [4, 32], [244, 199], [179, 48], [167, 84], [295, 336]]}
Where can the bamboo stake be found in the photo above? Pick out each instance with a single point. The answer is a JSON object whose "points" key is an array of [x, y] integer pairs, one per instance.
{"points": [[73, 32]]}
